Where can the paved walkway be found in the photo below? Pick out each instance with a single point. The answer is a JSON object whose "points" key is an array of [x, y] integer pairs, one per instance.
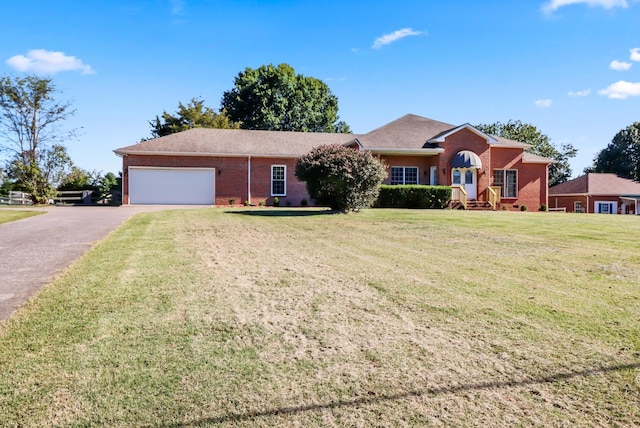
{"points": [[35, 249]]}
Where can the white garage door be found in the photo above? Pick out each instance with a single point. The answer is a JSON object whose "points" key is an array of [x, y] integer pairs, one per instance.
{"points": [[172, 186]]}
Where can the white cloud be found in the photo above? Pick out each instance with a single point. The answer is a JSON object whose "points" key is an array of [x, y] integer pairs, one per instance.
{"points": [[543, 103], [634, 54], [44, 61], [621, 90], [554, 5], [619, 65], [583, 93], [394, 37]]}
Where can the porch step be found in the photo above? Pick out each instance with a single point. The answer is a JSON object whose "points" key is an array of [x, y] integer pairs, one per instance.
{"points": [[479, 205]]}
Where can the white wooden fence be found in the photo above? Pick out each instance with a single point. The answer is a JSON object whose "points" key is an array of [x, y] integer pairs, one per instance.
{"points": [[16, 198], [71, 197]]}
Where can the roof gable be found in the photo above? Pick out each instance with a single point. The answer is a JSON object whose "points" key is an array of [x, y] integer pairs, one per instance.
{"points": [[441, 138]]}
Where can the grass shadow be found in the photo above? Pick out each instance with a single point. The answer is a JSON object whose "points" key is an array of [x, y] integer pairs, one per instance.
{"points": [[372, 398], [286, 212]]}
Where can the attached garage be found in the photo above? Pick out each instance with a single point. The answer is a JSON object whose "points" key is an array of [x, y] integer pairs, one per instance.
{"points": [[171, 186]]}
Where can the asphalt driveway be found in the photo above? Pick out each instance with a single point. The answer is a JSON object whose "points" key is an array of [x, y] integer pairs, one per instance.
{"points": [[35, 249]]}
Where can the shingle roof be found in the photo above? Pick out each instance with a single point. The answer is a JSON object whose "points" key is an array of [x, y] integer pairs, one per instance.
{"points": [[238, 142], [410, 132], [414, 132], [597, 184]]}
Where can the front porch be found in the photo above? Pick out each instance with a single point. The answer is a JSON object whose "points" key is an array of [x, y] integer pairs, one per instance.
{"points": [[630, 204], [487, 201]]}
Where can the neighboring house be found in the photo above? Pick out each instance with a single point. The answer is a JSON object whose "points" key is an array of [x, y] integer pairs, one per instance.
{"points": [[597, 193], [216, 166]]}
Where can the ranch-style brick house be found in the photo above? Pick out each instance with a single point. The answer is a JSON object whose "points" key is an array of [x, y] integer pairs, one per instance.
{"points": [[223, 166], [600, 193]]}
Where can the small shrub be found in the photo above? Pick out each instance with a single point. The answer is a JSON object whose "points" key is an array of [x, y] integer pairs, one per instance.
{"points": [[262, 203], [232, 201], [304, 203], [543, 207], [247, 203], [523, 207], [276, 201]]}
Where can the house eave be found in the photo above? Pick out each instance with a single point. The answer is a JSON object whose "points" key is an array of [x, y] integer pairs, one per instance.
{"points": [[407, 152], [568, 194], [591, 195], [509, 146], [353, 142], [543, 162], [207, 154]]}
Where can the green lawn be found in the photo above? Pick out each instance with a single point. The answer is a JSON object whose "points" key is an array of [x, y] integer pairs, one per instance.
{"points": [[301, 318], [10, 214]]}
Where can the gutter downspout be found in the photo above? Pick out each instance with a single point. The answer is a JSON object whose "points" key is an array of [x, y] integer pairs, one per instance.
{"points": [[547, 189], [587, 203], [249, 179]]}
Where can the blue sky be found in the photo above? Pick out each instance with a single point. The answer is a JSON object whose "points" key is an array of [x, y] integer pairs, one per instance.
{"points": [[569, 67]]}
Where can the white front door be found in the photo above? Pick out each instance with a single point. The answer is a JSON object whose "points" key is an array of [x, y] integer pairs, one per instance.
{"points": [[467, 178]]}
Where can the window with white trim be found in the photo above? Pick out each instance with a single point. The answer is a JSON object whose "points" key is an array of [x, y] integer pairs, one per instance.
{"points": [[278, 180], [404, 175], [507, 180], [577, 206], [606, 207]]}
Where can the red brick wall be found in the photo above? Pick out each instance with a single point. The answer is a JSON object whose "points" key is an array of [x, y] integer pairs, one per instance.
{"points": [[566, 202], [532, 178], [231, 177], [261, 182], [465, 140]]}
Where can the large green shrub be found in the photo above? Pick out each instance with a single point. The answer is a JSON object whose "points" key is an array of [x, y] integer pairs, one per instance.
{"points": [[340, 177], [414, 196]]}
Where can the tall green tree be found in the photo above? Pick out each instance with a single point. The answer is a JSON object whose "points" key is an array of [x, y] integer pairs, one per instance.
{"points": [[622, 155], [193, 115], [540, 144], [275, 98], [31, 133]]}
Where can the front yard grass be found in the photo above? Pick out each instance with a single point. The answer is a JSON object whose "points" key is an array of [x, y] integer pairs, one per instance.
{"points": [[7, 215], [301, 318]]}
